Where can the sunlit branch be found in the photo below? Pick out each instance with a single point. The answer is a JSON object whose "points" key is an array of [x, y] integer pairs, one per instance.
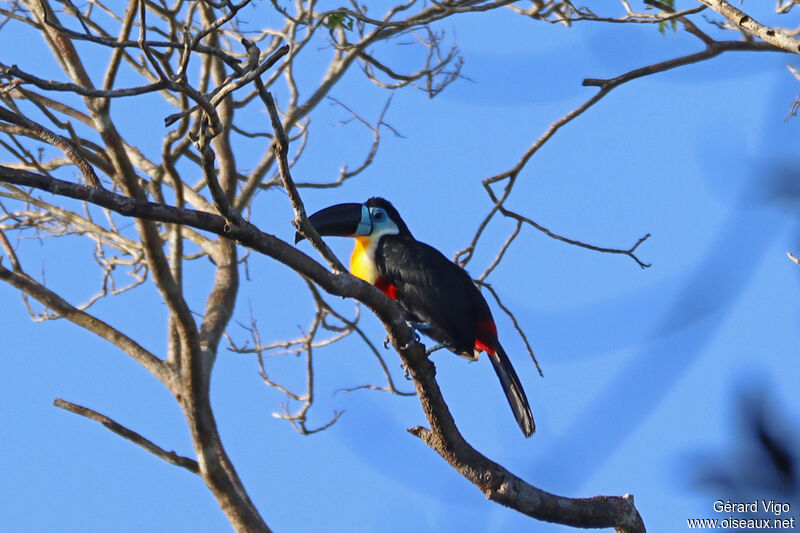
{"points": [[115, 43], [746, 23]]}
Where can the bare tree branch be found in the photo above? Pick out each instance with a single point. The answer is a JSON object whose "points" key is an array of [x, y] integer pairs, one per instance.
{"points": [[300, 221], [742, 20], [170, 457], [713, 48], [514, 321], [497, 483], [29, 286], [35, 130]]}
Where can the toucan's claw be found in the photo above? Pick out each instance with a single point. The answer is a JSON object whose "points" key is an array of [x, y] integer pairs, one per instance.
{"points": [[386, 342]]}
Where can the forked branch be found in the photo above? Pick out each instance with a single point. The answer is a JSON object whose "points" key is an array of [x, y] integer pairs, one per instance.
{"points": [[509, 177]]}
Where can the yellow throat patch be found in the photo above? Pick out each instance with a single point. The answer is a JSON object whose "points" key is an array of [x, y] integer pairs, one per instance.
{"points": [[362, 260]]}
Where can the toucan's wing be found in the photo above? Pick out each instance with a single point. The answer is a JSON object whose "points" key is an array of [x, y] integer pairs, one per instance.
{"points": [[433, 290]]}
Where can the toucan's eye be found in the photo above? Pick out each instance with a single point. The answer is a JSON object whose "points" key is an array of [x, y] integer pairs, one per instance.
{"points": [[379, 214]]}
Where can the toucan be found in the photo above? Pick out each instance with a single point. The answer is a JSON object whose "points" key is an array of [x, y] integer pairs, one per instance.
{"points": [[437, 296]]}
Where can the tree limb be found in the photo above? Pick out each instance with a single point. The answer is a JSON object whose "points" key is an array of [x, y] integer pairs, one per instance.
{"points": [[747, 24], [48, 298], [170, 457], [496, 482]]}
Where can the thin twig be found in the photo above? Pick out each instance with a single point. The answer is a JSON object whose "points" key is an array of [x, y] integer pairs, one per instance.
{"points": [[630, 252], [221, 201], [281, 148], [170, 457], [514, 321], [39, 131], [606, 86]]}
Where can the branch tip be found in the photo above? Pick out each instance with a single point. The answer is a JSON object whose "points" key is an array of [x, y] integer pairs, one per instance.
{"points": [[420, 432], [169, 456]]}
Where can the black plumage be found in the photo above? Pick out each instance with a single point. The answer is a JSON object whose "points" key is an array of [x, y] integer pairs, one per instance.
{"points": [[435, 292]]}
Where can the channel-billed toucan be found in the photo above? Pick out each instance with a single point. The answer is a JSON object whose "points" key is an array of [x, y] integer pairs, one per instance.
{"points": [[437, 296]]}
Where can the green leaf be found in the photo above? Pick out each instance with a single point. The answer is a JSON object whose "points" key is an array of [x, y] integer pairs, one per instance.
{"points": [[673, 23], [338, 20]]}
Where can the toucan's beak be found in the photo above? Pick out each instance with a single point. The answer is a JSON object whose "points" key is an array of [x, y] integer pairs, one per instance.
{"points": [[341, 220]]}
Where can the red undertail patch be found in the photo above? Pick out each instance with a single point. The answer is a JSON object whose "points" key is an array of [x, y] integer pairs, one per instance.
{"points": [[387, 288], [485, 336]]}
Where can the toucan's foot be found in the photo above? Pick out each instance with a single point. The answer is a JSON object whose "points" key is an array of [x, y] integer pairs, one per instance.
{"points": [[386, 342], [435, 347], [419, 326], [406, 372]]}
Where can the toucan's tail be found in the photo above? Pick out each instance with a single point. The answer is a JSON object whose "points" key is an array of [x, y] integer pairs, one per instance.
{"points": [[513, 389]]}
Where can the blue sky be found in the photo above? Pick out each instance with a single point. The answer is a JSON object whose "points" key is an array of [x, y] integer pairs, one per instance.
{"points": [[642, 368]]}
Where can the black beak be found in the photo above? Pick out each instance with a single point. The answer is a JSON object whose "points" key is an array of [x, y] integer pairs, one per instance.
{"points": [[341, 220]]}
